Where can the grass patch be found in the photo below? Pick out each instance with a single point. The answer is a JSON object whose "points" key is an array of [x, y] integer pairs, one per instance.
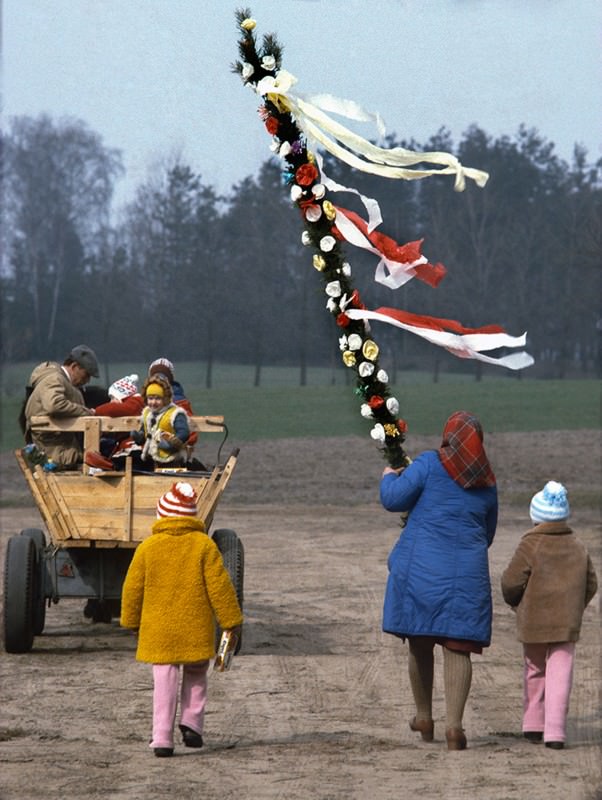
{"points": [[329, 405]]}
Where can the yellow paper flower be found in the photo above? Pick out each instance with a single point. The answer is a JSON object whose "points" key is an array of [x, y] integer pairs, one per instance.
{"points": [[329, 210], [311, 157], [370, 350], [319, 262], [391, 430], [248, 24], [349, 358]]}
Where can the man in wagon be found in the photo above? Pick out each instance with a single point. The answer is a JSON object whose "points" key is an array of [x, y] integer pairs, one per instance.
{"points": [[54, 391]]}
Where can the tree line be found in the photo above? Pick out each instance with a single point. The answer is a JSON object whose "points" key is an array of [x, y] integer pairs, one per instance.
{"points": [[202, 276]]}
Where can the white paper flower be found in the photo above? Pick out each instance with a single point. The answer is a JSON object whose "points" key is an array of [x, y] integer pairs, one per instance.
{"points": [[355, 341], [346, 269], [296, 193], [331, 306], [365, 369], [326, 242], [378, 433], [342, 343], [382, 376], [313, 213], [275, 85], [333, 289], [393, 405], [305, 237], [274, 146], [247, 70], [284, 150], [366, 411], [268, 63], [318, 190]]}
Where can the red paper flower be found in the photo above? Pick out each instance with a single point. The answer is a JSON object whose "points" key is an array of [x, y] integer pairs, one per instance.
{"points": [[306, 174], [402, 425], [272, 125], [376, 402], [343, 320]]}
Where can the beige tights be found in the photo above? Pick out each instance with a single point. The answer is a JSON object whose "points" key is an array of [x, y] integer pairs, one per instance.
{"points": [[457, 678]]}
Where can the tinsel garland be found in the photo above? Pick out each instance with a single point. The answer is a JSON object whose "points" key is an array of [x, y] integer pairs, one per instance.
{"points": [[359, 350]]}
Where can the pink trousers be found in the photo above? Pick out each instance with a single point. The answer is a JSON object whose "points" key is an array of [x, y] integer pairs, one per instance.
{"points": [[193, 697], [548, 678]]}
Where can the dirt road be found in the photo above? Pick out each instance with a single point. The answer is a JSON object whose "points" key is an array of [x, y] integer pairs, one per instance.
{"points": [[316, 705]]}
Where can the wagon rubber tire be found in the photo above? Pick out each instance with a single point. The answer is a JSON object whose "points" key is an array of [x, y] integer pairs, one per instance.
{"points": [[233, 554], [19, 578], [39, 600]]}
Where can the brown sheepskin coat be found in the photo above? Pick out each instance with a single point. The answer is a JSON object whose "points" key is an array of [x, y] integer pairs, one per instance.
{"points": [[174, 586], [54, 394], [550, 580]]}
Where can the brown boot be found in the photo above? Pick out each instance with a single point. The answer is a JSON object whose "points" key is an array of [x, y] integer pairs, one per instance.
{"points": [[426, 728], [456, 740]]}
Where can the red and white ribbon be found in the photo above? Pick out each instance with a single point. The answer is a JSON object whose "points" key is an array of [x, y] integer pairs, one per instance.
{"points": [[460, 341], [398, 263]]}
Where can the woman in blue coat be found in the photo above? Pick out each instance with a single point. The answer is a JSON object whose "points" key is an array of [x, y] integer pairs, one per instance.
{"points": [[439, 589]]}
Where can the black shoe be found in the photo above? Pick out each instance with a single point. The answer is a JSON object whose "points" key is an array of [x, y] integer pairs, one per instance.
{"points": [[533, 736], [555, 745], [163, 752], [191, 738]]}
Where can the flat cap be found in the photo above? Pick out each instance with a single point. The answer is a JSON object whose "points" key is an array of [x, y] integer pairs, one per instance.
{"points": [[86, 358]]}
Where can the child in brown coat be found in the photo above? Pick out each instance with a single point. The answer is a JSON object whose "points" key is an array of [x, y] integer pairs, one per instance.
{"points": [[549, 582]]}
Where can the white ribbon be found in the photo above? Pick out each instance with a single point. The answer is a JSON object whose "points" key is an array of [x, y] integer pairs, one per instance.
{"points": [[468, 345], [361, 154]]}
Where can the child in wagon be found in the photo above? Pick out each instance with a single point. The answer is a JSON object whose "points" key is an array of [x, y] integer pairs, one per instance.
{"points": [[549, 582], [165, 427]]}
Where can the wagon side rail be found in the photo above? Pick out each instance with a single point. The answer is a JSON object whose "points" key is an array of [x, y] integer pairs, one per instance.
{"points": [[94, 426]]}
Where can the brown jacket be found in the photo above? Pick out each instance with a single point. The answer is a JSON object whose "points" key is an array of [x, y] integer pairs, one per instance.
{"points": [[550, 580], [54, 394]]}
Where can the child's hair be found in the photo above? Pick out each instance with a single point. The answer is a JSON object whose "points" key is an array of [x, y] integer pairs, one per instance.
{"points": [[159, 385], [551, 504]]}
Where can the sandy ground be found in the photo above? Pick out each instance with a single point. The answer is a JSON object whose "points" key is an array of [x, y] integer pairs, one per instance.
{"points": [[316, 705]]}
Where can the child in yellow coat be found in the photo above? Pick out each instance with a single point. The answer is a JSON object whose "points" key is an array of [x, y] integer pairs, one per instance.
{"points": [[174, 588]]}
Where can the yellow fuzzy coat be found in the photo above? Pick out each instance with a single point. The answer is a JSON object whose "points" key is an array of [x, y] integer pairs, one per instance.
{"points": [[175, 585]]}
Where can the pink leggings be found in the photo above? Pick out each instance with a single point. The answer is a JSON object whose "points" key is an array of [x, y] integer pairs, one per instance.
{"points": [[193, 697], [548, 678]]}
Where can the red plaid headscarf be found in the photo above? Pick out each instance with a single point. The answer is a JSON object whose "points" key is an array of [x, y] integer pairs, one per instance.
{"points": [[462, 452]]}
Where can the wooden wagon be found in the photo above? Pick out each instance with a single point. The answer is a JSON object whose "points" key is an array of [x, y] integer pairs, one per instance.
{"points": [[94, 521]]}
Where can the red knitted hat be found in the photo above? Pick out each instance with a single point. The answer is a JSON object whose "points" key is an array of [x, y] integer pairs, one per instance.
{"points": [[179, 501]]}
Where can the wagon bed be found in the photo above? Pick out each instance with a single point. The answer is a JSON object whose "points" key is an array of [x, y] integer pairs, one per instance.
{"points": [[114, 508]]}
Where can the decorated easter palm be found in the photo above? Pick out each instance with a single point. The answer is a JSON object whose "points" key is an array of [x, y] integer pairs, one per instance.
{"points": [[293, 121]]}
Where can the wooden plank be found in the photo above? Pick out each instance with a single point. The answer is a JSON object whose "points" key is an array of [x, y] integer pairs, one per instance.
{"points": [[55, 523], [210, 499], [128, 490], [66, 518], [203, 423], [92, 429], [38, 496]]}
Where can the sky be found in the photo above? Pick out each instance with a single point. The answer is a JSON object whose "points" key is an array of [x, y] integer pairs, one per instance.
{"points": [[154, 79]]}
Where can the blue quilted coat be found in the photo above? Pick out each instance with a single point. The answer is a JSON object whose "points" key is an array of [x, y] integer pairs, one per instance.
{"points": [[438, 581]]}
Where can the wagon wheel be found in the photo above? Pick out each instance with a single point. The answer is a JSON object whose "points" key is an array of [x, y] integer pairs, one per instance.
{"points": [[233, 554], [19, 580], [39, 596]]}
